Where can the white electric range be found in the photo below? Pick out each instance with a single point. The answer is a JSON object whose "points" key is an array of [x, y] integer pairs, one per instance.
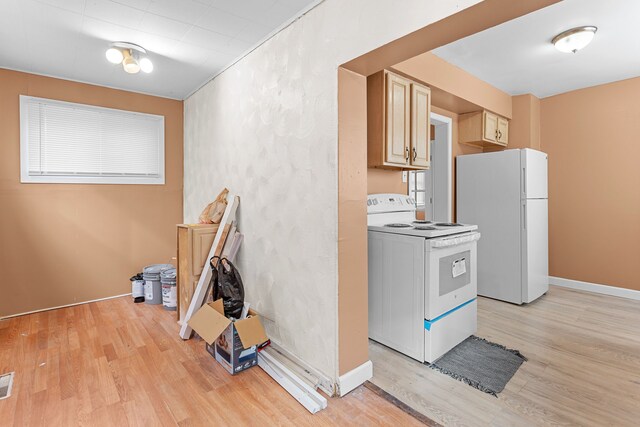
{"points": [[422, 279]]}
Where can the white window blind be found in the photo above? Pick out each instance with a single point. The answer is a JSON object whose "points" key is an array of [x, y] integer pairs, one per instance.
{"points": [[64, 142]]}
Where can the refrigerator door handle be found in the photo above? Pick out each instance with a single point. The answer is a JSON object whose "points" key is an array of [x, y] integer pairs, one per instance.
{"points": [[524, 215], [524, 182]]}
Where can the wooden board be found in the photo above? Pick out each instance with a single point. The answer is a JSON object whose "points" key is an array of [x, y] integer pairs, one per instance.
{"points": [[223, 240], [182, 283], [205, 277], [229, 242]]}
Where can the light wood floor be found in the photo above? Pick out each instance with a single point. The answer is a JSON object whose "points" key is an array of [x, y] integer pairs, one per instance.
{"points": [[119, 363], [583, 368]]}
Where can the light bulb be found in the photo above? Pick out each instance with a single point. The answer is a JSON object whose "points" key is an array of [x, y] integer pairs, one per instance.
{"points": [[114, 55], [146, 65], [130, 64]]}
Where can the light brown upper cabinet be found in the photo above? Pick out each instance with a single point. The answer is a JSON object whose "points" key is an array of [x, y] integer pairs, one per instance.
{"points": [[398, 111], [420, 126], [483, 128], [503, 131], [397, 119]]}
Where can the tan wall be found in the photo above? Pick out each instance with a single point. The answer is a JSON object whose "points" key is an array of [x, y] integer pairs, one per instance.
{"points": [[352, 209], [67, 243], [437, 72], [524, 127], [385, 181], [591, 136]]}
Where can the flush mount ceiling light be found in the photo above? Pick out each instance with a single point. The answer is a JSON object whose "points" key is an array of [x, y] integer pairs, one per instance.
{"points": [[574, 39], [132, 57]]}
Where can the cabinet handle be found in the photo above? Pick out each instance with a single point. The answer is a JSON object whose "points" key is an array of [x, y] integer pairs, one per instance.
{"points": [[496, 133], [415, 154], [499, 135], [406, 150]]}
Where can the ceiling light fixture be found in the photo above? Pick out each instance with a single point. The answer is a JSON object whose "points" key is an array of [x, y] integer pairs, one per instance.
{"points": [[574, 39], [132, 57]]}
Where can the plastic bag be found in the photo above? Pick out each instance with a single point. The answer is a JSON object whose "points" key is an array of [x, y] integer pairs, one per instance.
{"points": [[228, 286], [212, 213]]}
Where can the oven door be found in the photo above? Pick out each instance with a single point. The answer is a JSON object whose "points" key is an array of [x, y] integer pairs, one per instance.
{"points": [[451, 273]]}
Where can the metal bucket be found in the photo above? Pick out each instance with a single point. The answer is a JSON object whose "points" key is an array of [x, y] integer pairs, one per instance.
{"points": [[169, 291], [152, 285]]}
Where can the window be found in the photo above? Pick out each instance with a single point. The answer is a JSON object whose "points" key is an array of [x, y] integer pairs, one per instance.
{"points": [[64, 142], [417, 189]]}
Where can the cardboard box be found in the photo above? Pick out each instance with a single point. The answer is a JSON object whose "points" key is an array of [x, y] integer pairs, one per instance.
{"points": [[235, 342]]}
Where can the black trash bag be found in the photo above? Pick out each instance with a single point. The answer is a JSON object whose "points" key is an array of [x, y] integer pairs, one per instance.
{"points": [[228, 286]]}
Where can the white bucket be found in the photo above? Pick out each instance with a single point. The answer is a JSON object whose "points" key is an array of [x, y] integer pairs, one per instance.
{"points": [[169, 291], [137, 289]]}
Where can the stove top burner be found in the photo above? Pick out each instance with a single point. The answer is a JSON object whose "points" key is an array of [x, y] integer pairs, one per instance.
{"points": [[422, 221], [397, 225], [424, 227], [448, 224]]}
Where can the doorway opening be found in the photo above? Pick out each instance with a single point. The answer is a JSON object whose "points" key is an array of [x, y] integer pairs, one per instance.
{"points": [[408, 56], [431, 188]]}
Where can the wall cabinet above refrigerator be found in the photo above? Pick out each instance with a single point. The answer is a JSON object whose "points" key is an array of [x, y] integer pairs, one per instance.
{"points": [[483, 128], [398, 117]]}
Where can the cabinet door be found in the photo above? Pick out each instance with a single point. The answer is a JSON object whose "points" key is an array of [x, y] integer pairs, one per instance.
{"points": [[420, 125], [397, 120], [490, 122], [503, 130], [202, 241]]}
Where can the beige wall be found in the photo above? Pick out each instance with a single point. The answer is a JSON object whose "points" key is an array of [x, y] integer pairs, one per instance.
{"points": [[67, 243], [524, 127], [352, 176], [591, 136], [436, 72], [385, 181]]}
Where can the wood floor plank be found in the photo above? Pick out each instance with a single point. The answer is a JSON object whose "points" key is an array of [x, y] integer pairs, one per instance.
{"points": [[115, 363], [583, 367]]}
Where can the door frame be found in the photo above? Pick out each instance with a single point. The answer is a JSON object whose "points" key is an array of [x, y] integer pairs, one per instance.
{"points": [[448, 121]]}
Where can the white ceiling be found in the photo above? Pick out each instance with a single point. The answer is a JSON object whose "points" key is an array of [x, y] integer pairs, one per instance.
{"points": [[189, 41], [518, 56]]}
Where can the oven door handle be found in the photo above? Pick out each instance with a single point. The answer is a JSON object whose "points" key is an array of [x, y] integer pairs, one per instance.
{"points": [[453, 241]]}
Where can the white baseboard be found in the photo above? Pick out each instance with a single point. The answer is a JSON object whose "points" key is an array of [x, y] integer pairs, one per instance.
{"points": [[354, 378], [596, 288], [62, 306]]}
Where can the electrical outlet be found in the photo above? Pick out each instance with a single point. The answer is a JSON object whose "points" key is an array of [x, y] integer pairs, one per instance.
{"points": [[405, 176]]}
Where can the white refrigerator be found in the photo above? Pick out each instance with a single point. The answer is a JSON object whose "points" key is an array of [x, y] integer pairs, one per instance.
{"points": [[505, 194]]}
